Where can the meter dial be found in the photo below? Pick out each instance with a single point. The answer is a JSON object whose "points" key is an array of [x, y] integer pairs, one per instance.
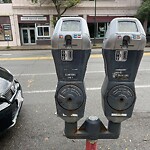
{"points": [[121, 97], [70, 97]]}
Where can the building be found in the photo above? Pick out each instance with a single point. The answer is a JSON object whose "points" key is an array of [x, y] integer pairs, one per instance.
{"points": [[25, 23]]}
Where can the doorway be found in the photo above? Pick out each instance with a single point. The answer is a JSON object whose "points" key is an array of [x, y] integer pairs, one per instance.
{"points": [[28, 36]]}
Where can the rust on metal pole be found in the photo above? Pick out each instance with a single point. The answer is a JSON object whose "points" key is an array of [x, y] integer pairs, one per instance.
{"points": [[91, 145]]}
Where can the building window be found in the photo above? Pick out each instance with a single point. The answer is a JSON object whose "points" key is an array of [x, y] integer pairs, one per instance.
{"points": [[43, 31], [5, 29], [5, 1], [148, 32], [101, 28]]}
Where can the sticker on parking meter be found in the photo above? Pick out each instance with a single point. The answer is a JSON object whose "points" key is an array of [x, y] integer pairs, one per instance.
{"points": [[121, 55], [66, 55]]}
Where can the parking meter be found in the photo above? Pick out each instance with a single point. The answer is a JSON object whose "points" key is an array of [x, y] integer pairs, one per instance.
{"points": [[71, 48], [122, 52]]}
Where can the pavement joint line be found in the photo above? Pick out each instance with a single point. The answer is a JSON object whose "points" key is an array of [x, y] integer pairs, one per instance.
{"points": [[88, 89], [48, 57]]}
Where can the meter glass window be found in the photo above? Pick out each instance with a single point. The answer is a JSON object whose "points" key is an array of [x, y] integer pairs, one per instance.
{"points": [[127, 26], [71, 25]]}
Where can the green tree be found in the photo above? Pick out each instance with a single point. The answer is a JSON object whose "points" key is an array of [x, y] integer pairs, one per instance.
{"points": [[61, 6], [143, 13]]}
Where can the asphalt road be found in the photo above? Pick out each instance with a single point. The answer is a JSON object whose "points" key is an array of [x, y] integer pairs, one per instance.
{"points": [[38, 127]]}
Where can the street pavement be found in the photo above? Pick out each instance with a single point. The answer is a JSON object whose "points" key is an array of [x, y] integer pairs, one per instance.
{"points": [[38, 127]]}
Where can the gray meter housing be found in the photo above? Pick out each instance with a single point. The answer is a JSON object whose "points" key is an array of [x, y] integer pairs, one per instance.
{"points": [[71, 48], [71, 32], [122, 52]]}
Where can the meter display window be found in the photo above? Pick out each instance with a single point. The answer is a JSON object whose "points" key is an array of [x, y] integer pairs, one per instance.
{"points": [[127, 26], [71, 25]]}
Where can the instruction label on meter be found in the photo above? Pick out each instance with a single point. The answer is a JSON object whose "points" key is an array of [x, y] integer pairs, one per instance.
{"points": [[121, 55], [66, 55]]}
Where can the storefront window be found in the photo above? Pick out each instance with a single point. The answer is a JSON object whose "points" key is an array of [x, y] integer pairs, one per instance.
{"points": [[43, 31], [1, 33], [101, 29], [148, 29], [148, 32], [5, 29], [5, 1]]}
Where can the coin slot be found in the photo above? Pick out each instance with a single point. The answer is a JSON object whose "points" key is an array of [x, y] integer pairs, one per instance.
{"points": [[121, 99], [69, 99]]}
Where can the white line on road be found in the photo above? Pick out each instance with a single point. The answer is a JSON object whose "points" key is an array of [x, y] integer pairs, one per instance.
{"points": [[53, 73], [5, 54], [42, 91], [88, 89], [46, 74], [35, 74], [142, 86]]}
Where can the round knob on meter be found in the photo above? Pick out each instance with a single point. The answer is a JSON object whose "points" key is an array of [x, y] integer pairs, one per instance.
{"points": [[121, 97], [70, 97]]}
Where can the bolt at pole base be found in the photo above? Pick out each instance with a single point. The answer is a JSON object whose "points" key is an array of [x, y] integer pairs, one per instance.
{"points": [[91, 145]]}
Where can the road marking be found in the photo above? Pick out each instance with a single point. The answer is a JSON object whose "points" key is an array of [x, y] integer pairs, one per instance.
{"points": [[5, 54], [26, 58], [142, 86], [88, 89], [40, 91], [53, 73], [96, 56], [144, 70], [146, 54], [47, 57], [90, 72], [35, 74]]}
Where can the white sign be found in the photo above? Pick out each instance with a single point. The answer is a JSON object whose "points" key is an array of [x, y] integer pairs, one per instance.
{"points": [[33, 18]]}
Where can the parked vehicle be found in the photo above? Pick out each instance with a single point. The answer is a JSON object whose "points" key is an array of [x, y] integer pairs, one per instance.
{"points": [[11, 99]]}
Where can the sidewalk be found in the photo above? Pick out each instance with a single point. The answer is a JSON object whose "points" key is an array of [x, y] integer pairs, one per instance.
{"points": [[96, 48]]}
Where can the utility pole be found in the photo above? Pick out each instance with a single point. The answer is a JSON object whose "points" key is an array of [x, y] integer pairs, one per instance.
{"points": [[95, 26]]}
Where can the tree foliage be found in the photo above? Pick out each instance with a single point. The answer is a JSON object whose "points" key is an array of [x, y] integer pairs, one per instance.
{"points": [[143, 12], [61, 6]]}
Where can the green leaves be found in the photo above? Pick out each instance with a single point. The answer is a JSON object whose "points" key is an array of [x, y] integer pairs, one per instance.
{"points": [[144, 10], [61, 6]]}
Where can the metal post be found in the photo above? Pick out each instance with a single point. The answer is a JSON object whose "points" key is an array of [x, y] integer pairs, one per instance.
{"points": [[95, 26], [91, 145]]}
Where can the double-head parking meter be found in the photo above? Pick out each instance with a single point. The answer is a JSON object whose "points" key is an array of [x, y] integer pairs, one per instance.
{"points": [[71, 49], [122, 52]]}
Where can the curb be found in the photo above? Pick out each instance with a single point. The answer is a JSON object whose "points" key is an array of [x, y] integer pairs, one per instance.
{"points": [[28, 48]]}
